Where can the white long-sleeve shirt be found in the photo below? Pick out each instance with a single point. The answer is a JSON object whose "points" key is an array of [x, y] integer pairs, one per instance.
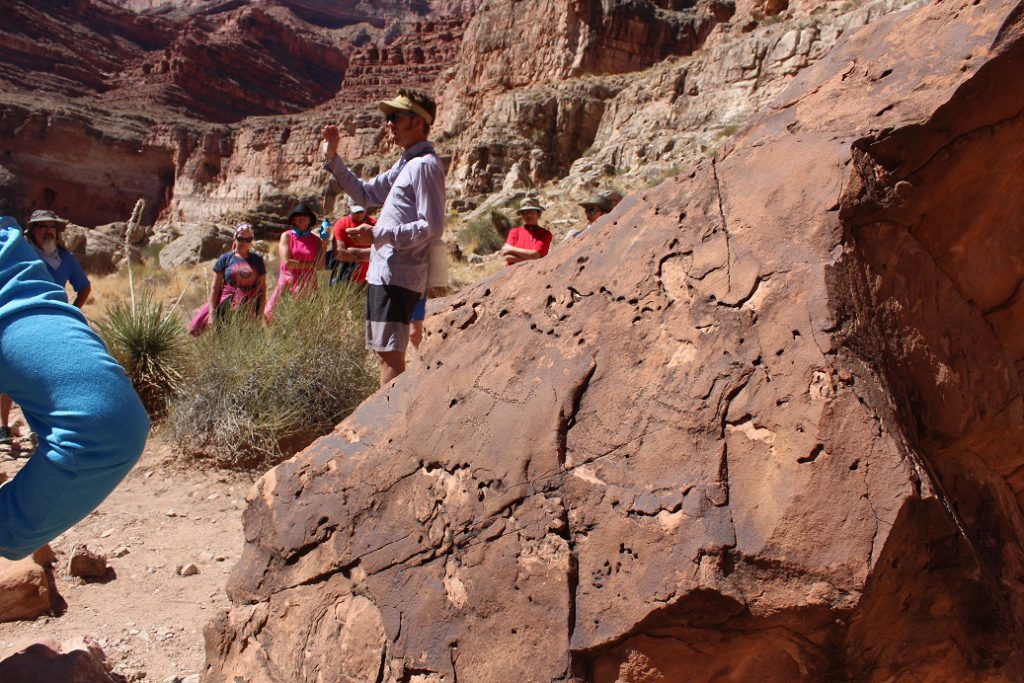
{"points": [[411, 196]]}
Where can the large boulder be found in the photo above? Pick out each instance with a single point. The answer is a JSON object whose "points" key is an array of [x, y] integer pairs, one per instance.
{"points": [[196, 244], [99, 252], [762, 422]]}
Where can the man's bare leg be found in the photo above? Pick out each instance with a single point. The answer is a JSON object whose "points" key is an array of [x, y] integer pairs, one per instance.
{"points": [[392, 364]]}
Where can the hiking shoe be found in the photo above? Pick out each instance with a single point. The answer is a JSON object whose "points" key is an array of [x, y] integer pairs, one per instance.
{"points": [[5, 436]]}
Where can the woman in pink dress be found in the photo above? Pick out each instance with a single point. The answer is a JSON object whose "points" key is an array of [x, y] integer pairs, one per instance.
{"points": [[301, 251]]}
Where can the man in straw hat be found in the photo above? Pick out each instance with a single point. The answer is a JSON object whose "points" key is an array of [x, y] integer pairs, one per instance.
{"points": [[76, 398], [528, 241], [44, 233], [411, 197], [594, 207]]}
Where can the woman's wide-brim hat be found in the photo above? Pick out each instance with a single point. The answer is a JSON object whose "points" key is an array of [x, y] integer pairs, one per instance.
{"points": [[43, 216], [302, 210]]}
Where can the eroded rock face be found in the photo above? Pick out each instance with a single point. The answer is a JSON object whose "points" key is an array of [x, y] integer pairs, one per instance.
{"points": [[762, 422]]}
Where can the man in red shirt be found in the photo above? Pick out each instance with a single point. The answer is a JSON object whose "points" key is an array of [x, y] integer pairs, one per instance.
{"points": [[352, 260], [528, 241]]}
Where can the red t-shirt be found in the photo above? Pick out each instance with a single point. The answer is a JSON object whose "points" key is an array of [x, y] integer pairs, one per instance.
{"points": [[535, 239], [344, 223]]}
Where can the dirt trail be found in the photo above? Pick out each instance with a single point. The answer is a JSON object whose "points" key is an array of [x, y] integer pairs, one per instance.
{"points": [[148, 619]]}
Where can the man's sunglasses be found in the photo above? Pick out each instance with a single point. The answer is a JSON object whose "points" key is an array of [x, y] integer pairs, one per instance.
{"points": [[243, 239], [393, 116], [591, 209]]}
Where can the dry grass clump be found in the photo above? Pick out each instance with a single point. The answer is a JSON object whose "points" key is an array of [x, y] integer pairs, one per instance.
{"points": [[486, 234], [252, 395]]}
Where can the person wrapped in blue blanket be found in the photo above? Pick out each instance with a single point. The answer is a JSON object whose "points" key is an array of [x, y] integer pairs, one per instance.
{"points": [[90, 423]]}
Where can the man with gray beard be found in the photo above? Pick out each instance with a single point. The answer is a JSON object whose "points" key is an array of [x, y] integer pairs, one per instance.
{"points": [[44, 230]]}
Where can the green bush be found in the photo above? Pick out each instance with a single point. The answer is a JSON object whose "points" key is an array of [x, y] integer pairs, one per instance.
{"points": [[486, 234], [253, 395], [148, 341]]}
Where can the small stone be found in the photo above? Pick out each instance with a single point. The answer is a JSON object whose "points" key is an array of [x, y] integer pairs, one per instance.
{"points": [[86, 564], [107, 533], [189, 569], [213, 496], [191, 678], [171, 513], [120, 551]]}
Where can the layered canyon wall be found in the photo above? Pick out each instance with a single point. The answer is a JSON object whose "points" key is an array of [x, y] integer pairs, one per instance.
{"points": [[781, 441], [534, 92]]}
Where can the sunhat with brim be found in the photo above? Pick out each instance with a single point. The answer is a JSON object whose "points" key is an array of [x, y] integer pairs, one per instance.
{"points": [[403, 103], [530, 206], [597, 200], [302, 210], [43, 216]]}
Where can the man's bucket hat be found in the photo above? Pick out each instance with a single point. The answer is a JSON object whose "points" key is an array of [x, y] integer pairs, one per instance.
{"points": [[530, 205], [43, 216], [598, 200], [403, 103]]}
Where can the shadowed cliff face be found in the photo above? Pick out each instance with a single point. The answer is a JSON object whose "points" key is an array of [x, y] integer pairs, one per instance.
{"points": [[762, 422]]}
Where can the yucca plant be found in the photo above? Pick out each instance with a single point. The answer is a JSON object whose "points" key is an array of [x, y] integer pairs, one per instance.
{"points": [[143, 337], [147, 341]]}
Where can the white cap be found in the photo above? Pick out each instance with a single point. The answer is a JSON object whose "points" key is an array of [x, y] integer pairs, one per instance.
{"points": [[355, 208]]}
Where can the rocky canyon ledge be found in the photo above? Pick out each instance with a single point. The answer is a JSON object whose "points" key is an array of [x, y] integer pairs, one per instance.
{"points": [[763, 423]]}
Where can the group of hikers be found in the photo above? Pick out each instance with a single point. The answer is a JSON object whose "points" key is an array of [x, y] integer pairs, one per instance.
{"points": [[389, 256], [90, 423]]}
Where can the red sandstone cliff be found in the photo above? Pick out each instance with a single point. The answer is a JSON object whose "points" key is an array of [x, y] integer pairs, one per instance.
{"points": [[781, 440], [102, 105], [535, 91]]}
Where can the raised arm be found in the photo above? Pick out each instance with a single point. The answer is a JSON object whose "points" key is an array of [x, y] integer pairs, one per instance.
{"points": [[371, 193]]}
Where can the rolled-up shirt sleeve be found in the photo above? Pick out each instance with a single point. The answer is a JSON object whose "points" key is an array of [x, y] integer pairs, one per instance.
{"points": [[428, 189], [370, 193]]}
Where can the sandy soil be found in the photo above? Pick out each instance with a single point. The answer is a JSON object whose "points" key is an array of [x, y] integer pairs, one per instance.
{"points": [[148, 619]]}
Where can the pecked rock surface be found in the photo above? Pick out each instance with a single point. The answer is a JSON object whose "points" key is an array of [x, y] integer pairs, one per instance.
{"points": [[763, 422]]}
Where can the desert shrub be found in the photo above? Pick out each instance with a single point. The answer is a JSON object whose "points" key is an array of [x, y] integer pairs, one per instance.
{"points": [[486, 234], [148, 341], [253, 395]]}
